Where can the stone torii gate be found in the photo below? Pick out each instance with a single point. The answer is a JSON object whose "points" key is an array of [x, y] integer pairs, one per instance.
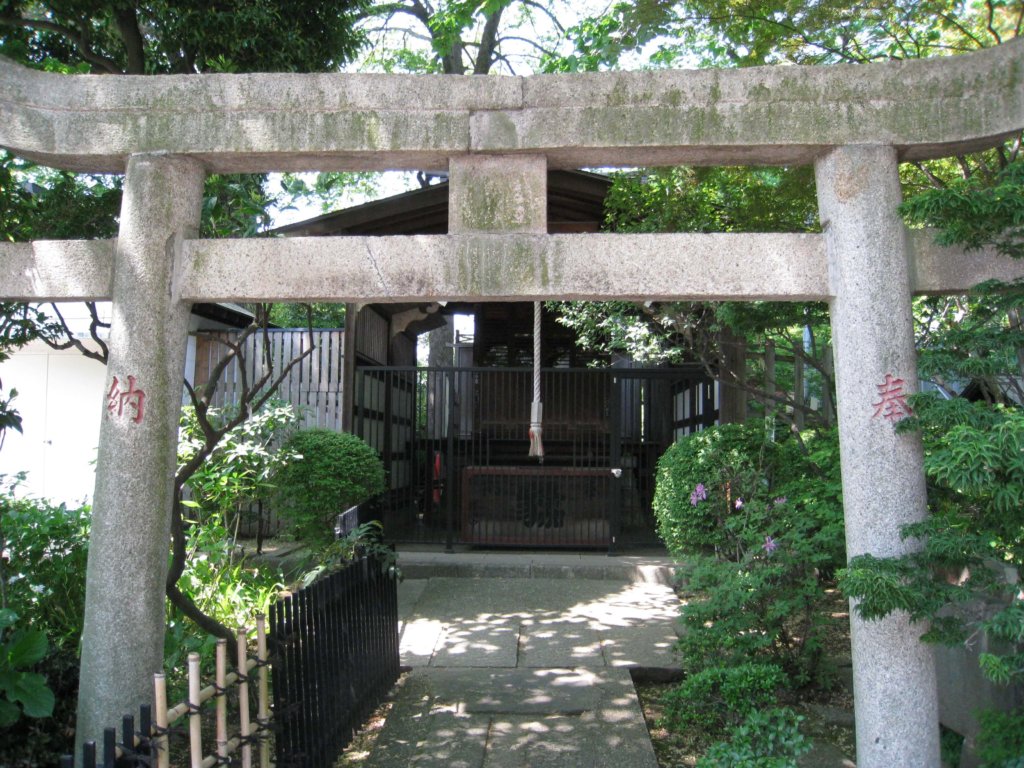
{"points": [[497, 136]]}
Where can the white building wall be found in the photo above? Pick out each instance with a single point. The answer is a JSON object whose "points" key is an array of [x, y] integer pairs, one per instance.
{"points": [[60, 399]]}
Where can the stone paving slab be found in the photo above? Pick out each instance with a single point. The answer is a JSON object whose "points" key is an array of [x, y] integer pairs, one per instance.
{"points": [[536, 622], [515, 718], [525, 672], [560, 644], [642, 646], [477, 645], [516, 691]]}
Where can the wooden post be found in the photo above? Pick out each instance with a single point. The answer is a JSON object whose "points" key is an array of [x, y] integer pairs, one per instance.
{"points": [[195, 727], [732, 378], [161, 742], [798, 385], [770, 404], [263, 717], [222, 703], [828, 403], [243, 700]]}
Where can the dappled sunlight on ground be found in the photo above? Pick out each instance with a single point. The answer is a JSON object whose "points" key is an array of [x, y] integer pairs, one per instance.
{"points": [[541, 623]]}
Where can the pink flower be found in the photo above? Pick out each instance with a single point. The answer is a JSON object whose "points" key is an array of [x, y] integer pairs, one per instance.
{"points": [[739, 503], [769, 545], [780, 501], [700, 493]]}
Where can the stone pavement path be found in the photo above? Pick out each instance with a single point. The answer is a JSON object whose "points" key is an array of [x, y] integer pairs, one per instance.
{"points": [[525, 672]]}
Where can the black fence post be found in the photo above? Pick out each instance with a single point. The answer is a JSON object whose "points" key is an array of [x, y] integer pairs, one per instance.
{"points": [[615, 459], [334, 657]]}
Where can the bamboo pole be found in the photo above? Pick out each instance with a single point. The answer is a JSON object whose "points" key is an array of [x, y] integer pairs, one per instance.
{"points": [[222, 699], [263, 716], [163, 757], [243, 699], [207, 693], [195, 733]]}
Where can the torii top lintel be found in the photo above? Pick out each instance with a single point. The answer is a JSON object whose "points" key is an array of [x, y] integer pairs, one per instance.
{"points": [[765, 115]]}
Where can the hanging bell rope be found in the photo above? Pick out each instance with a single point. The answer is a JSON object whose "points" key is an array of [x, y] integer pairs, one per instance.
{"points": [[537, 409]]}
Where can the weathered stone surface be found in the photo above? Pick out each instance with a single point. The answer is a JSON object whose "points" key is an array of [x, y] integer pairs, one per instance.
{"points": [[123, 633], [599, 267], [498, 194], [233, 123], [882, 470], [507, 267], [56, 269], [523, 718], [937, 269]]}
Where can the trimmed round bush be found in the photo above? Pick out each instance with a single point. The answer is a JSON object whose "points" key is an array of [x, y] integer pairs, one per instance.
{"points": [[335, 471], [701, 477]]}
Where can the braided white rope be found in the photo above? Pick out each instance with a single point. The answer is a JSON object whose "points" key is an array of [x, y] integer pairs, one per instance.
{"points": [[537, 408]]}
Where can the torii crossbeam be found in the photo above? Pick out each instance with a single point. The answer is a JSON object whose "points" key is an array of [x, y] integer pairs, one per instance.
{"points": [[497, 137]]}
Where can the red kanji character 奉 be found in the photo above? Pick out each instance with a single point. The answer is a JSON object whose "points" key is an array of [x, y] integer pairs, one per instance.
{"points": [[892, 404]]}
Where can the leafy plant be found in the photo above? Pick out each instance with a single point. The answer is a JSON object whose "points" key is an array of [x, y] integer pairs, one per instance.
{"points": [[239, 468], [757, 527], [332, 472], [42, 576], [719, 697], [701, 477], [1001, 740], [765, 739], [22, 691], [365, 541], [976, 211], [973, 459]]}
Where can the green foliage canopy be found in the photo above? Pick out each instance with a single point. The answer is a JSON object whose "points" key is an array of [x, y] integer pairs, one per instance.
{"points": [[332, 472], [184, 36]]}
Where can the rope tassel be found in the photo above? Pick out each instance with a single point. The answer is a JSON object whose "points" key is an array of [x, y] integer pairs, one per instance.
{"points": [[536, 431]]}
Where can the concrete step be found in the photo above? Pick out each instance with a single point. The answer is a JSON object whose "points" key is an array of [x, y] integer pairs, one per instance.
{"points": [[629, 568]]}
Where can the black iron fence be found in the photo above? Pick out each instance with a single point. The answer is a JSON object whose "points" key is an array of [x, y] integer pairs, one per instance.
{"points": [[334, 656], [455, 441], [134, 749]]}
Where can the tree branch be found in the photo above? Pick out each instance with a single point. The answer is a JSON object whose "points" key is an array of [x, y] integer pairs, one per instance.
{"points": [[961, 29], [534, 43], [934, 180], [991, 20], [547, 12], [488, 42], [71, 342], [208, 624], [128, 25], [76, 38]]}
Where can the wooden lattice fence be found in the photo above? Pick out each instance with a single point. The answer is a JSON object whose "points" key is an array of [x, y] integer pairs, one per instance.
{"points": [[314, 387]]}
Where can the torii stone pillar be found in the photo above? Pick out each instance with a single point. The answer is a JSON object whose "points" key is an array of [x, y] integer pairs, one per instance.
{"points": [[122, 640], [883, 472]]}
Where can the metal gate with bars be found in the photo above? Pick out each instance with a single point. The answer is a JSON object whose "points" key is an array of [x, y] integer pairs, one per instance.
{"points": [[454, 442]]}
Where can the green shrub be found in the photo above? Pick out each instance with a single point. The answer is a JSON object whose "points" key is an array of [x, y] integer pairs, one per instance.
{"points": [[765, 739], [758, 528], [1001, 740], [718, 697], [43, 573], [700, 477], [44, 570], [336, 470], [22, 690]]}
